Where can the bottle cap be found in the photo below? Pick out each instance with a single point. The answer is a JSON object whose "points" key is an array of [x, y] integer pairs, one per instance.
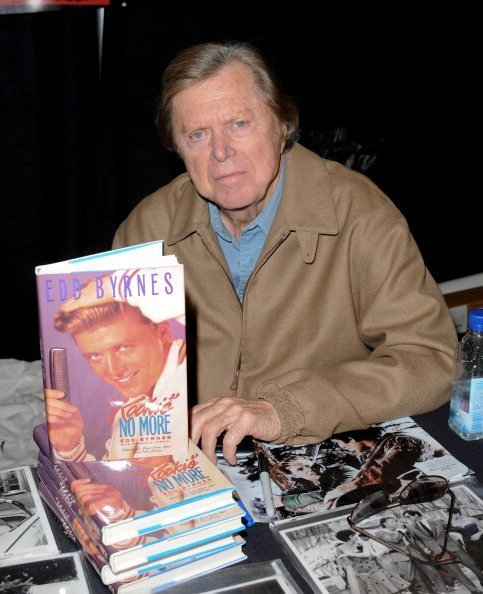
{"points": [[475, 319]]}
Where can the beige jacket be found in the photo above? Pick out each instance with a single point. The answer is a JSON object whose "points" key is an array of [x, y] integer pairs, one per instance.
{"points": [[341, 324]]}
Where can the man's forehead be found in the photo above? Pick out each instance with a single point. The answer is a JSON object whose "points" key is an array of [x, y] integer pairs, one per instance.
{"points": [[127, 319], [221, 97]]}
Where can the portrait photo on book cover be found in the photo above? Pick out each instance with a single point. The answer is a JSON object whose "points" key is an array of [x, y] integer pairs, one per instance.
{"points": [[114, 362], [335, 558], [24, 528]]}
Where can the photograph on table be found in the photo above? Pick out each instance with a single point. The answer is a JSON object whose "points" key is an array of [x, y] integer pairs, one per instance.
{"points": [[415, 560], [340, 470], [24, 528], [248, 489], [58, 574]]}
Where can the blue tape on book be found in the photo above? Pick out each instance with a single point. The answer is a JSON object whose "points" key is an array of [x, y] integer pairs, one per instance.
{"points": [[247, 519]]}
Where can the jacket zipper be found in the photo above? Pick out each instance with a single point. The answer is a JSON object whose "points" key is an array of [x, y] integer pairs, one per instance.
{"points": [[234, 383], [236, 375]]}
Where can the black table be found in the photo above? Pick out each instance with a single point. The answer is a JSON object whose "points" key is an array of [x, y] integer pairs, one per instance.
{"points": [[261, 545]]}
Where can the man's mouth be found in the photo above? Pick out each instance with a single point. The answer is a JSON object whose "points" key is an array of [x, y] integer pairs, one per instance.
{"points": [[226, 177], [127, 378]]}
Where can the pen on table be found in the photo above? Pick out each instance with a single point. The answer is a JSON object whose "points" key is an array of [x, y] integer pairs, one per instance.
{"points": [[265, 482]]}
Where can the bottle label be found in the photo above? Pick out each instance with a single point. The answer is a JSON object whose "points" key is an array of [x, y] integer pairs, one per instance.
{"points": [[470, 411]]}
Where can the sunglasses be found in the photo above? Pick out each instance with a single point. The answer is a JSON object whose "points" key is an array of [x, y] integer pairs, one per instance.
{"points": [[417, 540]]}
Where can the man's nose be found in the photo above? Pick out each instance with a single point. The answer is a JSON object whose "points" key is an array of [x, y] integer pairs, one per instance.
{"points": [[221, 148], [112, 365]]}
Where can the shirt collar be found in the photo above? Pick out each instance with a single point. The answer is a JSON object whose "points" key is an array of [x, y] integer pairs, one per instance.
{"points": [[306, 176]]}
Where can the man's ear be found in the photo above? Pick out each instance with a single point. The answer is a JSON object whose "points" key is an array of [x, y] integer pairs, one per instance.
{"points": [[163, 331]]}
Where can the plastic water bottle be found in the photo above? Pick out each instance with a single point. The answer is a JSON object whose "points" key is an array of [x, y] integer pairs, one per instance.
{"points": [[466, 408]]}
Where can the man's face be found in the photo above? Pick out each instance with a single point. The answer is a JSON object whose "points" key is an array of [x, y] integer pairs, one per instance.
{"points": [[126, 353], [390, 523], [412, 519], [228, 139], [300, 467]]}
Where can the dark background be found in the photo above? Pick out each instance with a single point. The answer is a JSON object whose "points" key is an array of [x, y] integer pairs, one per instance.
{"points": [[391, 87]]}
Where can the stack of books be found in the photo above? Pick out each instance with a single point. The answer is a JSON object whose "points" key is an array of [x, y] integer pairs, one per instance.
{"points": [[148, 508], [111, 510]]}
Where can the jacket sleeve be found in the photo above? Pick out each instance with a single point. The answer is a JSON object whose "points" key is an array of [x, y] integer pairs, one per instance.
{"points": [[405, 324]]}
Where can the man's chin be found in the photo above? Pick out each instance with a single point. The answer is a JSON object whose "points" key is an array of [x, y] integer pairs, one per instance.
{"points": [[131, 393], [127, 394], [139, 393]]}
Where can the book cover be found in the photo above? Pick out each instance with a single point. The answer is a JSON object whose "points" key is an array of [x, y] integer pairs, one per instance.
{"points": [[127, 499], [334, 558], [24, 528], [73, 530], [150, 547], [152, 571], [164, 579], [114, 578], [112, 337], [341, 469]]}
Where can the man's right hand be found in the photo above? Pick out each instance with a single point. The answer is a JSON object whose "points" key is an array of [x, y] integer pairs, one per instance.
{"points": [[236, 417], [89, 297], [64, 422], [97, 498]]}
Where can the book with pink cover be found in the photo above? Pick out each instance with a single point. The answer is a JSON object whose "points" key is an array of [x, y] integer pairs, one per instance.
{"points": [[114, 579], [127, 499], [155, 546], [112, 337], [73, 529]]}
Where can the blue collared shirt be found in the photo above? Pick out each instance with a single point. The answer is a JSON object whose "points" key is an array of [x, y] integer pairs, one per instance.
{"points": [[242, 255]]}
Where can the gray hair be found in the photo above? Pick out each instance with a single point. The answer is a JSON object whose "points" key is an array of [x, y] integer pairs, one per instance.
{"points": [[203, 61]]}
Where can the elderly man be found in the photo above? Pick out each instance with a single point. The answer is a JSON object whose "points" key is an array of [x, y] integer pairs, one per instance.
{"points": [[310, 309]]}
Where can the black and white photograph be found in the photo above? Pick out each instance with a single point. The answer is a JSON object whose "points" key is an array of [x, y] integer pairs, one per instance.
{"points": [[61, 574], [24, 527], [340, 470], [338, 559], [244, 475]]}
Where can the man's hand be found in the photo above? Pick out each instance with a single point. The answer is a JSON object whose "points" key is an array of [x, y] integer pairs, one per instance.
{"points": [[332, 496], [87, 543], [64, 421], [97, 498], [89, 297], [238, 418]]}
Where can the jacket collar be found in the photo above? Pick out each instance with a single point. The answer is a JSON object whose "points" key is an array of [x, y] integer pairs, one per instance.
{"points": [[307, 200], [307, 203]]}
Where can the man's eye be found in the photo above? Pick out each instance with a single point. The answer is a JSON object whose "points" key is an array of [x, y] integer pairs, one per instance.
{"points": [[240, 123], [198, 135], [94, 356], [124, 347]]}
